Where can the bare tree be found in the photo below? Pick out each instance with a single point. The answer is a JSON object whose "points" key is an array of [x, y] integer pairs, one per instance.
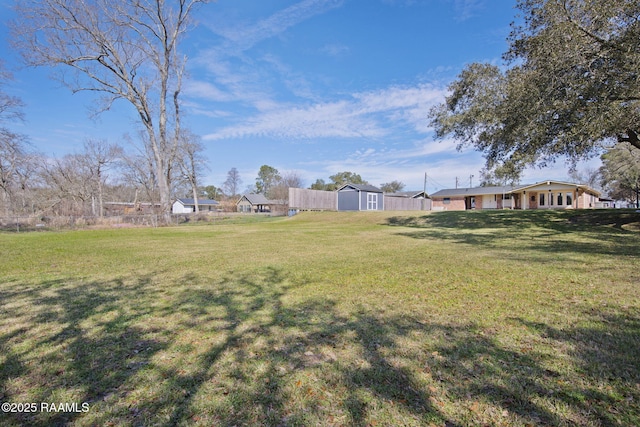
{"points": [[138, 171], [10, 106], [123, 50], [280, 191], [588, 176], [18, 174], [191, 162], [68, 182], [233, 182], [15, 158], [99, 156]]}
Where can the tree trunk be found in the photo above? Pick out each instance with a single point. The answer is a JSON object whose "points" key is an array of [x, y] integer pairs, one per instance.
{"points": [[194, 190], [632, 138]]}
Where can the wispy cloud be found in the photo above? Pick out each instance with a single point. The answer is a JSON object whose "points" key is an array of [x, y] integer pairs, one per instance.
{"points": [[294, 81], [244, 37], [438, 159], [239, 76], [206, 90], [373, 114], [466, 9], [328, 120], [335, 49]]}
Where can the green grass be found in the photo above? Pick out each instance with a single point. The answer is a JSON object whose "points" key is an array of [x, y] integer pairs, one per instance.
{"points": [[446, 319]]}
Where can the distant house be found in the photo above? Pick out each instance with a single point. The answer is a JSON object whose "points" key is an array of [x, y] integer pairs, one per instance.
{"points": [[605, 202], [408, 194], [255, 203], [360, 197], [542, 195], [182, 206]]}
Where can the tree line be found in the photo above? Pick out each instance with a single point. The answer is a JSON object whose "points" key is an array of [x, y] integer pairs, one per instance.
{"points": [[569, 86], [82, 183], [125, 52], [275, 185]]}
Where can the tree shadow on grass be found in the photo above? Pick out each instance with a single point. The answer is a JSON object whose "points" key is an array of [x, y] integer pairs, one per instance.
{"points": [[590, 232], [605, 351], [246, 349], [57, 359]]}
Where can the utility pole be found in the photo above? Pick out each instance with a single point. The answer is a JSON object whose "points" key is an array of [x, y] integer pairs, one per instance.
{"points": [[456, 182], [425, 184], [424, 198]]}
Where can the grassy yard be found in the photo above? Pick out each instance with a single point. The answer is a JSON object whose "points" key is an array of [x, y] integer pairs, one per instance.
{"points": [[450, 319]]}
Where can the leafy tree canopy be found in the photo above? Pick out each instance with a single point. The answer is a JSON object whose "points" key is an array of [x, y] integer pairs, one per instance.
{"points": [[319, 185], [338, 180], [211, 192], [392, 187], [620, 172], [342, 178], [570, 86], [268, 177]]}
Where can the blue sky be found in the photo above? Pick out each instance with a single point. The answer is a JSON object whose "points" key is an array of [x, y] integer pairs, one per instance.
{"points": [[314, 87]]}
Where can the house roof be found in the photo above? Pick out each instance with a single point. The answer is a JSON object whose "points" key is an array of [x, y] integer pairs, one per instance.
{"points": [[255, 199], [362, 187], [481, 191], [569, 184], [476, 191], [407, 194], [201, 202]]}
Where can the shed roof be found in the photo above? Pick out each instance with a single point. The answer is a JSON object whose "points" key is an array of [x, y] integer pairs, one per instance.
{"points": [[362, 187]]}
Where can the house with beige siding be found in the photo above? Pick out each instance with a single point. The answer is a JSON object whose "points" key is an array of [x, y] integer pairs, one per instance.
{"points": [[541, 195], [257, 203]]}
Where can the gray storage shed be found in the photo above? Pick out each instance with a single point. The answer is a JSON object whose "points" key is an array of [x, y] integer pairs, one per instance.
{"points": [[360, 197]]}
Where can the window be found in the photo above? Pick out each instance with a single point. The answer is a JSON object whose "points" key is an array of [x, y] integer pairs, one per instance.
{"points": [[559, 199], [446, 200], [533, 198], [551, 198], [372, 201], [569, 199], [542, 199], [506, 196]]}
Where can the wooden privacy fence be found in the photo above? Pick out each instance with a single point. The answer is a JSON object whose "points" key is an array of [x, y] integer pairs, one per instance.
{"points": [[303, 199], [317, 200], [406, 204]]}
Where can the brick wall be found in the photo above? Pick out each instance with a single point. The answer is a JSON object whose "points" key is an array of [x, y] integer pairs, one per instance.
{"points": [[455, 204]]}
